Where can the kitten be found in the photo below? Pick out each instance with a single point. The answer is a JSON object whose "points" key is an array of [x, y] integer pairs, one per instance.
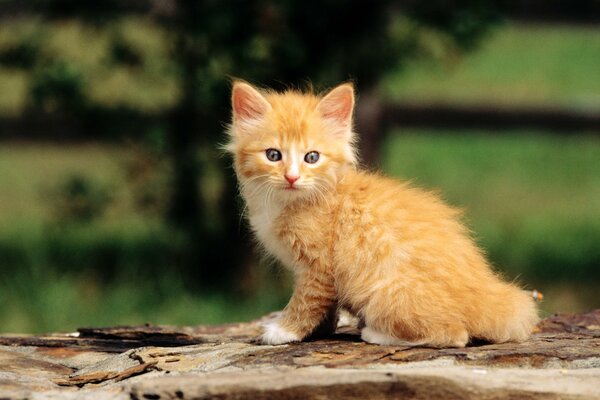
{"points": [[395, 256]]}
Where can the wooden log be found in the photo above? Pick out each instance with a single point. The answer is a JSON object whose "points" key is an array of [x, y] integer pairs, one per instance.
{"points": [[561, 360]]}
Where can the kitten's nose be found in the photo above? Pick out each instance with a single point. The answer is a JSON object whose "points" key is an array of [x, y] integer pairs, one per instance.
{"points": [[291, 178]]}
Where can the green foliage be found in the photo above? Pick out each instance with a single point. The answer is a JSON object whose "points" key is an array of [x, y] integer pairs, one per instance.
{"points": [[122, 53], [129, 61], [22, 54], [510, 68], [58, 88], [79, 200], [467, 24]]}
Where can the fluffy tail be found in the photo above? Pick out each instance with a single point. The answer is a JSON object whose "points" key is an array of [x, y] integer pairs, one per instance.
{"points": [[510, 315]]}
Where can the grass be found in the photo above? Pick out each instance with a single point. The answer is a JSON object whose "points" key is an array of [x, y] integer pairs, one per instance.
{"points": [[519, 65], [55, 302], [503, 175], [33, 172], [532, 200], [510, 185]]}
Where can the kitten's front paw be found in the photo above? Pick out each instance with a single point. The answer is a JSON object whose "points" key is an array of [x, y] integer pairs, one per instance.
{"points": [[276, 334]]}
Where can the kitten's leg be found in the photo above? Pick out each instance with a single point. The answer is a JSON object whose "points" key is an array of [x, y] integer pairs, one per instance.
{"points": [[328, 325], [312, 303]]}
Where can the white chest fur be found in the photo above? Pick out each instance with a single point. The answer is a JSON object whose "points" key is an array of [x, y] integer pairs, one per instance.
{"points": [[262, 216]]}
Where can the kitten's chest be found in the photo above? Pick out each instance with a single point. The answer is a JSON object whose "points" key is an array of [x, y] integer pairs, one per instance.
{"points": [[291, 234], [265, 223]]}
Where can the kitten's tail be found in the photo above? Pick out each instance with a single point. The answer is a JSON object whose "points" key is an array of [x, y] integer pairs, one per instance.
{"points": [[510, 316]]}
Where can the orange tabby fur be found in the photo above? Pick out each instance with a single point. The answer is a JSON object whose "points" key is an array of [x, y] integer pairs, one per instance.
{"points": [[395, 256]]}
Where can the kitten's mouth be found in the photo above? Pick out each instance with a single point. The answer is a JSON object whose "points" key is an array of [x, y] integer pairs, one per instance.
{"points": [[291, 187]]}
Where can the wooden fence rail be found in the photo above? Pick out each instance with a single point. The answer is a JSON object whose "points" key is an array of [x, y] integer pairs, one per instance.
{"points": [[379, 118]]}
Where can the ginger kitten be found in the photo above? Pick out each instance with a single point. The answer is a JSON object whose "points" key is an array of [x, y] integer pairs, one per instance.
{"points": [[395, 256]]}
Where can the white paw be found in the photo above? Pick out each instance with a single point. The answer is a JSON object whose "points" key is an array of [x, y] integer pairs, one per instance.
{"points": [[347, 319], [370, 335], [275, 334]]}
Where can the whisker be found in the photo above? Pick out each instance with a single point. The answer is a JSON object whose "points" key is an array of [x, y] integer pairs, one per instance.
{"points": [[321, 190], [257, 188]]}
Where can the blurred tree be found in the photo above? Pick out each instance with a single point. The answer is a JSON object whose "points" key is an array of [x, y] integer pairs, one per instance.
{"points": [[275, 43], [57, 88], [281, 43]]}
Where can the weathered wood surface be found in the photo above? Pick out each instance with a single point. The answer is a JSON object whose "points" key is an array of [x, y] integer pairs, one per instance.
{"points": [[560, 361]]}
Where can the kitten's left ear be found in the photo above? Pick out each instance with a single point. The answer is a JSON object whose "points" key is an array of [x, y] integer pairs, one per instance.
{"points": [[337, 107]]}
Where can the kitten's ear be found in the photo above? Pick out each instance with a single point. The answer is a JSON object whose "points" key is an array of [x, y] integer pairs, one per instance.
{"points": [[248, 104], [337, 107]]}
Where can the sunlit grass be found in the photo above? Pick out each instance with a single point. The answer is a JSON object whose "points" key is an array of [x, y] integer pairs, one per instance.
{"points": [[30, 173], [503, 175], [518, 65], [532, 200]]}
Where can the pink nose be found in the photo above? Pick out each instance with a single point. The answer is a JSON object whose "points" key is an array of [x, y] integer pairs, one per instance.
{"points": [[291, 178]]}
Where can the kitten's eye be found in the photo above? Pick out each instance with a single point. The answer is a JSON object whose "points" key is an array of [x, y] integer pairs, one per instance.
{"points": [[273, 154], [311, 157]]}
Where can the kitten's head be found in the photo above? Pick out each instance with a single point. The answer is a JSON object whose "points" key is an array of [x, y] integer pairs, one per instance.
{"points": [[291, 145]]}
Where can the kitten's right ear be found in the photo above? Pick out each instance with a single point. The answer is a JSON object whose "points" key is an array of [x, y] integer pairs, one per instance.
{"points": [[248, 104]]}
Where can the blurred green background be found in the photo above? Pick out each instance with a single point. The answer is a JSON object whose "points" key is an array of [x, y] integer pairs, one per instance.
{"points": [[116, 206]]}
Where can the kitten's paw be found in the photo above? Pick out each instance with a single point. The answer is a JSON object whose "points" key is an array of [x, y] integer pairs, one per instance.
{"points": [[370, 335], [276, 334], [347, 319], [458, 339]]}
